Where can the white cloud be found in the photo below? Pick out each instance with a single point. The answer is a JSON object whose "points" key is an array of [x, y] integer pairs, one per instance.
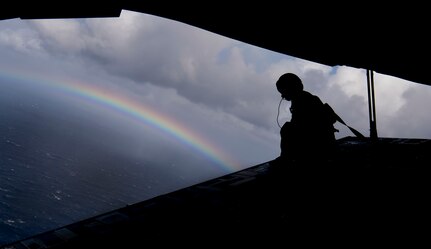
{"points": [[403, 108], [351, 81], [389, 93], [63, 35], [22, 40]]}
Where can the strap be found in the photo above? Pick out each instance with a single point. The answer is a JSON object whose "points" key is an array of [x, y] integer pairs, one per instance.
{"points": [[337, 118], [357, 133]]}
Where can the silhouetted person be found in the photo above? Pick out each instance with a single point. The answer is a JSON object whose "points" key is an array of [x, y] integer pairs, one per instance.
{"points": [[310, 133]]}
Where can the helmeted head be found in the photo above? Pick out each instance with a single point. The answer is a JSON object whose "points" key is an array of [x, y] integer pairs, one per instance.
{"points": [[289, 85]]}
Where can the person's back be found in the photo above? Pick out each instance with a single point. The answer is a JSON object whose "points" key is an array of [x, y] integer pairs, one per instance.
{"points": [[310, 133]]}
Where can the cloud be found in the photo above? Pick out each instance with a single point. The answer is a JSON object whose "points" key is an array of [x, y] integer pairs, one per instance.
{"points": [[61, 35], [407, 114], [203, 67], [221, 74], [347, 94], [20, 39]]}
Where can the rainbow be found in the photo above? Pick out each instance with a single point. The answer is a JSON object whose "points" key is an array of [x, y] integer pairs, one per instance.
{"points": [[144, 114]]}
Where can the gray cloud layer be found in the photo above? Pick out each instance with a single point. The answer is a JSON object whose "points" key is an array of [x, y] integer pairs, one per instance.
{"points": [[220, 74], [205, 68]]}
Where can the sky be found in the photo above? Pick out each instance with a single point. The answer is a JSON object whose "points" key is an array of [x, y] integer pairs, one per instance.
{"points": [[221, 89]]}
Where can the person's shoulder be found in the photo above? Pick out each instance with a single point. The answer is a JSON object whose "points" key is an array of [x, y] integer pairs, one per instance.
{"points": [[311, 96], [307, 94]]}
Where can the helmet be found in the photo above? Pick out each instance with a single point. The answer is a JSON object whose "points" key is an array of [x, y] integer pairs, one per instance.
{"points": [[289, 82]]}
